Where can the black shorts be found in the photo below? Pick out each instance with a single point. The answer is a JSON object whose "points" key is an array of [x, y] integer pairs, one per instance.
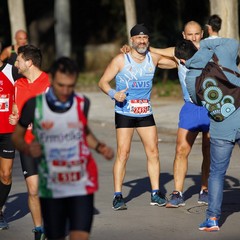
{"points": [[61, 215], [122, 121], [29, 165], [7, 149]]}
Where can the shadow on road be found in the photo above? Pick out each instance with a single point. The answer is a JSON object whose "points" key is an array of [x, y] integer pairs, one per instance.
{"points": [[16, 206], [231, 194]]}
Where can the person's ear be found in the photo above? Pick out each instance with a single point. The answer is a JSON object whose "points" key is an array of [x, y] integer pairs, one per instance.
{"points": [[184, 36], [29, 62], [131, 41]]}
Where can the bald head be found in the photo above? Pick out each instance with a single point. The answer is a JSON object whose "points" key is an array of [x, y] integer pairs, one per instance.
{"points": [[21, 38], [191, 24], [193, 32]]}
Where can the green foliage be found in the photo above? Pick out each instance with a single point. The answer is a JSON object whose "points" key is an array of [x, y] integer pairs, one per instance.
{"points": [[171, 88], [88, 81]]}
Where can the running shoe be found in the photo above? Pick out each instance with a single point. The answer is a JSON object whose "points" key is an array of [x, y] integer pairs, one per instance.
{"points": [[118, 203], [176, 200], [158, 199], [3, 222], [39, 233], [203, 197], [209, 225]]}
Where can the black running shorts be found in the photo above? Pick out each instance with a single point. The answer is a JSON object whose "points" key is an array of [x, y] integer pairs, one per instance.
{"points": [[29, 165], [7, 149], [122, 121], [61, 215]]}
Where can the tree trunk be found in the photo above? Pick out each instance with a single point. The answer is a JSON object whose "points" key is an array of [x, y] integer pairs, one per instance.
{"points": [[130, 12], [179, 6], [62, 28], [228, 11], [17, 17]]}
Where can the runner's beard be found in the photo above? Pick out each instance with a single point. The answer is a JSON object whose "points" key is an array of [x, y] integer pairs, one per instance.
{"points": [[140, 50]]}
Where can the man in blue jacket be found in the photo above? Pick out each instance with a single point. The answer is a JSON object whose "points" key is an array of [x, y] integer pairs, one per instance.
{"points": [[223, 134]]}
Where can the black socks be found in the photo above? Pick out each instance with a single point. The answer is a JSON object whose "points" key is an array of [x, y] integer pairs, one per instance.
{"points": [[4, 191]]}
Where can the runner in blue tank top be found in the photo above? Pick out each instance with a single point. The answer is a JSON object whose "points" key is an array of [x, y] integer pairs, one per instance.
{"points": [[136, 78], [133, 74]]}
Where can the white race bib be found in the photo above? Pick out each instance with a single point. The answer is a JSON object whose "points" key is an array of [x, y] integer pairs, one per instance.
{"points": [[65, 172], [4, 103], [140, 106]]}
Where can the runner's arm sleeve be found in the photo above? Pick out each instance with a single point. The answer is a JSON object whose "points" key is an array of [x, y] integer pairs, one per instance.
{"points": [[86, 106], [27, 114]]}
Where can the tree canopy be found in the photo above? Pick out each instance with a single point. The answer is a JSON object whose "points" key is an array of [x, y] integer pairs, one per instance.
{"points": [[103, 21]]}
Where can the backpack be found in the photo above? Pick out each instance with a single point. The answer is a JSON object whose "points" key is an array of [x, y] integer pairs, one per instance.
{"points": [[214, 92]]}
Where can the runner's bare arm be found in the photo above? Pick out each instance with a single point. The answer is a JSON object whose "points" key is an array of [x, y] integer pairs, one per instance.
{"points": [[5, 53], [163, 62], [167, 52], [99, 146], [111, 71]]}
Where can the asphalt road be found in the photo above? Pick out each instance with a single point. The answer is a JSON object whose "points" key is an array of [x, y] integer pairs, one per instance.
{"points": [[141, 221]]}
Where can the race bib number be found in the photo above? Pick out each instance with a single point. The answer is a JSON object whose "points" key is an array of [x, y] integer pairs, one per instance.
{"points": [[140, 106], [68, 177], [63, 171], [4, 103]]}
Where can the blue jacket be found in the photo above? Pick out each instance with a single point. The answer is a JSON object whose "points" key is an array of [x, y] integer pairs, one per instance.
{"points": [[226, 50]]}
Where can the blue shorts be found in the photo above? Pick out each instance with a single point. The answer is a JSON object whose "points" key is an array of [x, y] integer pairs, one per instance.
{"points": [[194, 118]]}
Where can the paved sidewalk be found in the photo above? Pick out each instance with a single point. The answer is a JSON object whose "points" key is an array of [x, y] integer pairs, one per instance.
{"points": [[141, 221]]}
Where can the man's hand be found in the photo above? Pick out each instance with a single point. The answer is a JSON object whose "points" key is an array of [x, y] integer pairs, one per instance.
{"points": [[34, 149], [106, 151], [121, 95], [125, 49], [13, 118]]}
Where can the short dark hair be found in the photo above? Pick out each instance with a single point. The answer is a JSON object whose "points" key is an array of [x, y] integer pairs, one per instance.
{"points": [[30, 52], [64, 65], [215, 22], [185, 49]]}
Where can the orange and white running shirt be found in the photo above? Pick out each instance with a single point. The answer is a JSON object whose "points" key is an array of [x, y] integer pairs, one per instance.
{"points": [[25, 90]]}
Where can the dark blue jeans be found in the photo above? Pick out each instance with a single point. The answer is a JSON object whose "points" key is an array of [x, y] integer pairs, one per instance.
{"points": [[220, 151]]}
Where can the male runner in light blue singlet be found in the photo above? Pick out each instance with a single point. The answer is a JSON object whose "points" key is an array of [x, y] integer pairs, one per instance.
{"points": [[133, 74]]}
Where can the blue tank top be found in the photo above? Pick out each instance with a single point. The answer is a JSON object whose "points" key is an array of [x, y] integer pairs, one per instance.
{"points": [[137, 77], [182, 71]]}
